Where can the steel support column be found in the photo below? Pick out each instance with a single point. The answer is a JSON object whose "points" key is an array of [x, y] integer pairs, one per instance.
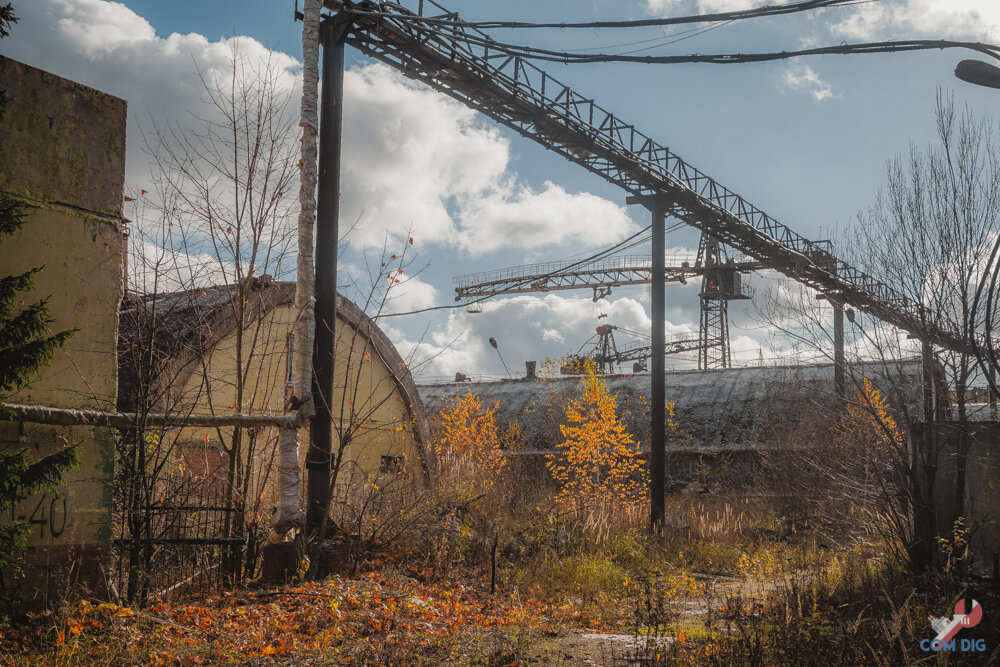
{"points": [[657, 375], [319, 456], [839, 363], [658, 206]]}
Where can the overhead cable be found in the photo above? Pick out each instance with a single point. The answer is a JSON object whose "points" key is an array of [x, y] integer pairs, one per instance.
{"points": [[718, 17], [571, 58]]}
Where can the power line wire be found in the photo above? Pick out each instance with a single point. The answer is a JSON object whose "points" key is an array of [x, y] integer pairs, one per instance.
{"points": [[457, 30], [570, 58], [718, 17]]}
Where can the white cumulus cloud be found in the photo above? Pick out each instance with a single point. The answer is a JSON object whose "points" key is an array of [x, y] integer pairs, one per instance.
{"points": [[419, 163], [888, 19], [415, 162], [801, 77]]}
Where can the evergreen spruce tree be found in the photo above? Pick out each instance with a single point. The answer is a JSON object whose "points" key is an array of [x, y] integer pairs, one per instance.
{"points": [[25, 347]]}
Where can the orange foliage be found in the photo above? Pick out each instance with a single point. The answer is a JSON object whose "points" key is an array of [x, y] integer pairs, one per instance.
{"points": [[337, 621], [868, 420], [598, 463], [468, 434]]}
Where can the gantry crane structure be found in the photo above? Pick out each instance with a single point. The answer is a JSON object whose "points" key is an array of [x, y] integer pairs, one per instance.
{"points": [[433, 45], [721, 281], [606, 353]]}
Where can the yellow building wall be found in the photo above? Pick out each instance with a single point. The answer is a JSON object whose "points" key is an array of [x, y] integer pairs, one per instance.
{"points": [[62, 153], [367, 400]]}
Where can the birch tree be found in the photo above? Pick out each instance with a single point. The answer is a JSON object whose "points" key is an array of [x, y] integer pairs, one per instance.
{"points": [[289, 513]]}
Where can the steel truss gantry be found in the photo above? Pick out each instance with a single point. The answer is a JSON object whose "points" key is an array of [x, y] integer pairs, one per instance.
{"points": [[460, 62], [616, 271], [640, 351], [720, 283], [606, 353]]}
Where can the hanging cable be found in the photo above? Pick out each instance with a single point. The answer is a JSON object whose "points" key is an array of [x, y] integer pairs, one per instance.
{"points": [[570, 58], [718, 17]]}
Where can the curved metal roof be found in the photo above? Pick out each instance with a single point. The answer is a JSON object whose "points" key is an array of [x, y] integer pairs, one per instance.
{"points": [[717, 410]]}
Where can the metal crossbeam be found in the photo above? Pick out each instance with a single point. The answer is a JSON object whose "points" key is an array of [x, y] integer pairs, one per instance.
{"points": [[460, 63], [617, 271], [639, 351]]}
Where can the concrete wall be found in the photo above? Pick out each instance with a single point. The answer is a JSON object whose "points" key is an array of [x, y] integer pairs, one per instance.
{"points": [[982, 486], [62, 152]]}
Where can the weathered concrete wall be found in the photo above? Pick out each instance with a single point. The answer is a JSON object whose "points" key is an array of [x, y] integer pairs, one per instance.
{"points": [[982, 486], [62, 152]]}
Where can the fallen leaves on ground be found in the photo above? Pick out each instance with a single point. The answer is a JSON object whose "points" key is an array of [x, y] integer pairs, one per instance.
{"points": [[380, 614]]}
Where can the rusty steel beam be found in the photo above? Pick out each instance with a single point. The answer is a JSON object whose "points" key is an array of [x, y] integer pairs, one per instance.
{"points": [[459, 62]]}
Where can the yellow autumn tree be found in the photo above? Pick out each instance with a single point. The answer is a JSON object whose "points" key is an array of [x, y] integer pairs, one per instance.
{"points": [[469, 440], [597, 465], [867, 419]]}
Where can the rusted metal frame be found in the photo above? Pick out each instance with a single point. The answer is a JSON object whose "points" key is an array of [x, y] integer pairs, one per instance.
{"points": [[634, 353]]}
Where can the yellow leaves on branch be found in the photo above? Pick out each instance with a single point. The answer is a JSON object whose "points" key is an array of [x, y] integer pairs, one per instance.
{"points": [[468, 435], [598, 463], [867, 420]]}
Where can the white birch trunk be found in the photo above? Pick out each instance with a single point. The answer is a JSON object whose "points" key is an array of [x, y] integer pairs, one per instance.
{"points": [[289, 507]]}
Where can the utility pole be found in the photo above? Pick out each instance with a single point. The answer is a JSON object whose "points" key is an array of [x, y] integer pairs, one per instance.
{"points": [[657, 206], [319, 456]]}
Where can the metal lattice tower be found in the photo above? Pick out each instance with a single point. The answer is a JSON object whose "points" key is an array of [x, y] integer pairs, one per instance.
{"points": [[720, 282], [713, 335]]}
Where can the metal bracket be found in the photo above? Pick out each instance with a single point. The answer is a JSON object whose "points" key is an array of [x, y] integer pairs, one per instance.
{"points": [[338, 25], [600, 292], [649, 201]]}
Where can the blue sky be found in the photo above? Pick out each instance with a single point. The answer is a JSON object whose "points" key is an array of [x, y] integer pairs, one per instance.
{"points": [[805, 140]]}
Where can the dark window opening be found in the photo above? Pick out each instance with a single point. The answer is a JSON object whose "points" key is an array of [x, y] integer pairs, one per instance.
{"points": [[391, 464]]}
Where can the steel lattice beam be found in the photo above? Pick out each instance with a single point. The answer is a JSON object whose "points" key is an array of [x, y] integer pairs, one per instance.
{"points": [[639, 352], [512, 91], [610, 272]]}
